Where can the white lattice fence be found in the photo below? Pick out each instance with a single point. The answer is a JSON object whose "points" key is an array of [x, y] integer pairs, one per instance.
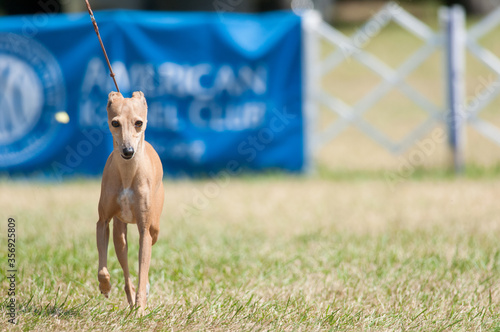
{"points": [[392, 78], [452, 38], [479, 103]]}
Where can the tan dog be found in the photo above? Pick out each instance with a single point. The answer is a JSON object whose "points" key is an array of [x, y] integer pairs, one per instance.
{"points": [[131, 193]]}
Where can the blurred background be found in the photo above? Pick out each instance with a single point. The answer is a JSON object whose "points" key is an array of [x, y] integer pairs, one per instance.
{"points": [[395, 115], [330, 9]]}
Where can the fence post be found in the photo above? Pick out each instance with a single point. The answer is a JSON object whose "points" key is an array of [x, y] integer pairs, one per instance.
{"points": [[454, 33], [311, 19]]}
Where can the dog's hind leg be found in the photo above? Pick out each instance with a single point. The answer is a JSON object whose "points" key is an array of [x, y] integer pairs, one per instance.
{"points": [[121, 249], [102, 235]]}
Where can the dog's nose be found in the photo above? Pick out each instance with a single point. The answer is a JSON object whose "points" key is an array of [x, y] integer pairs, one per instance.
{"points": [[128, 151]]}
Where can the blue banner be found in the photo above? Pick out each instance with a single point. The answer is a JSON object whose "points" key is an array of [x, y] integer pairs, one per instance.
{"points": [[224, 92]]}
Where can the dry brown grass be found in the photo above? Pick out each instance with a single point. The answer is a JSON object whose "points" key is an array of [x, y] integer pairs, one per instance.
{"points": [[271, 253]]}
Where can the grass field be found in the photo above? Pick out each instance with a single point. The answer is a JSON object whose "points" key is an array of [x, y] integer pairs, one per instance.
{"points": [[361, 244], [268, 253]]}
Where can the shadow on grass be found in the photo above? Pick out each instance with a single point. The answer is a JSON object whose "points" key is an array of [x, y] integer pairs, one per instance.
{"points": [[40, 309], [54, 308]]}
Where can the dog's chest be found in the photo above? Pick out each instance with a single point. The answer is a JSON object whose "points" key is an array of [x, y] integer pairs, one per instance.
{"points": [[125, 201]]}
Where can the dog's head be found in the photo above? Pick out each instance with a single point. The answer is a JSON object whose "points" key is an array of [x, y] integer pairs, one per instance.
{"points": [[127, 119]]}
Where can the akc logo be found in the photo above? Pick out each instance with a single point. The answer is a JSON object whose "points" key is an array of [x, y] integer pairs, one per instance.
{"points": [[33, 90]]}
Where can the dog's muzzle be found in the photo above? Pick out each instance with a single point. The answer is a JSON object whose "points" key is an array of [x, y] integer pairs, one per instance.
{"points": [[128, 153]]}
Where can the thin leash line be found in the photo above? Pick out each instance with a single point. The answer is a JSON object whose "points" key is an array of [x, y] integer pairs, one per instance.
{"points": [[102, 45]]}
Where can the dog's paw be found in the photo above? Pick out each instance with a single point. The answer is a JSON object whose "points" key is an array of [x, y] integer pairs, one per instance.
{"points": [[130, 291], [104, 282]]}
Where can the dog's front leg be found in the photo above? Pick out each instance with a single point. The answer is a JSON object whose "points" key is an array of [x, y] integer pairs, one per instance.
{"points": [[145, 243], [102, 236], [121, 249]]}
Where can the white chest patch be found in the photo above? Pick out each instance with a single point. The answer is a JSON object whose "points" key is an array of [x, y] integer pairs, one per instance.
{"points": [[125, 200]]}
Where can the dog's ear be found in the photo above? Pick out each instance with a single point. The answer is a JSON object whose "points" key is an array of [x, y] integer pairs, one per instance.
{"points": [[112, 96], [140, 96]]}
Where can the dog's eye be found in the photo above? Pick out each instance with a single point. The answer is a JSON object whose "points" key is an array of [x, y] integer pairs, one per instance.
{"points": [[138, 124], [115, 124]]}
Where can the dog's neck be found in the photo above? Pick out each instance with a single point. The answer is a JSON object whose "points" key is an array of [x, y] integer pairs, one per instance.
{"points": [[128, 168]]}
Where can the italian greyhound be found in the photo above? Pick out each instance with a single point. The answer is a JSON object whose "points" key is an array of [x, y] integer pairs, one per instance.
{"points": [[131, 193]]}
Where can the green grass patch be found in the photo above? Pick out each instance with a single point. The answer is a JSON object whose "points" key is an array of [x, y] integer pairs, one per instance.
{"points": [[276, 253]]}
